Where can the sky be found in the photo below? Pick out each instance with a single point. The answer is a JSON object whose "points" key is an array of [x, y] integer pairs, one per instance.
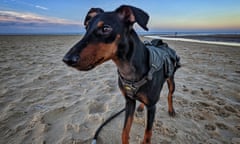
{"points": [[67, 16]]}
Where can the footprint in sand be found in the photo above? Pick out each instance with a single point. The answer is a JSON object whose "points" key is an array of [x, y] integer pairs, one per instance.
{"points": [[210, 127], [185, 89], [198, 117], [194, 92], [103, 98], [212, 141], [205, 92], [171, 131], [53, 115], [204, 104], [161, 129], [187, 115], [158, 124], [97, 107], [222, 113], [221, 126], [230, 109], [235, 141], [182, 101], [237, 127], [237, 71], [165, 142], [220, 101], [210, 97]]}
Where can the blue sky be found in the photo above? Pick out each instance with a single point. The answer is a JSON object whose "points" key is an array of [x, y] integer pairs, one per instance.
{"points": [[66, 16]]}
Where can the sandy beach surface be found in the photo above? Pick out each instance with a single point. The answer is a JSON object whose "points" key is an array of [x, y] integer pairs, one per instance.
{"points": [[42, 101]]}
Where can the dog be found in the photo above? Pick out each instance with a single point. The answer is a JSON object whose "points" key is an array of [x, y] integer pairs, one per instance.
{"points": [[111, 36]]}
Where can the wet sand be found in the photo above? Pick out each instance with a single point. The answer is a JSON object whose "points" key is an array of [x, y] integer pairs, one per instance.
{"points": [[212, 37], [44, 101]]}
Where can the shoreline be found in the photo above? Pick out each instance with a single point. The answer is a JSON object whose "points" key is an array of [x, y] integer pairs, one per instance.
{"points": [[219, 39], [194, 39]]}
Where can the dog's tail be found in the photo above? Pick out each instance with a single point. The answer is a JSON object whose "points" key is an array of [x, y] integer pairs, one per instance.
{"points": [[177, 63]]}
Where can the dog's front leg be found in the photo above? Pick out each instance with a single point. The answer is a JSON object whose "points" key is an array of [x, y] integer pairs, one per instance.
{"points": [[150, 119], [130, 108]]}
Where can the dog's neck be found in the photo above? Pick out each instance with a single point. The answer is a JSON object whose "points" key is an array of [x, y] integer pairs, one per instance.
{"points": [[132, 57]]}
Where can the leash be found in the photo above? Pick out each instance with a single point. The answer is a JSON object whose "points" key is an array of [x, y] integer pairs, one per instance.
{"points": [[94, 141]]}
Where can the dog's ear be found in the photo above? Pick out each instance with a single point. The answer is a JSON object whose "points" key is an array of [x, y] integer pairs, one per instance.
{"points": [[92, 13], [132, 14]]}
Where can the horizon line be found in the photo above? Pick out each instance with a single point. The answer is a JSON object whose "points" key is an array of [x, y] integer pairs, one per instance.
{"points": [[139, 32]]}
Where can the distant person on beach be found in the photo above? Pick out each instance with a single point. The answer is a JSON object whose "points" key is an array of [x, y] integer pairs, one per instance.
{"points": [[175, 34]]}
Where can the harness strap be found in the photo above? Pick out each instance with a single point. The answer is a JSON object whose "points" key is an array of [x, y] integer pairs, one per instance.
{"points": [[155, 62], [152, 70], [132, 87]]}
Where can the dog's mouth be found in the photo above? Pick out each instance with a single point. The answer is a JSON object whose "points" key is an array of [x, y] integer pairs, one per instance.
{"points": [[90, 66]]}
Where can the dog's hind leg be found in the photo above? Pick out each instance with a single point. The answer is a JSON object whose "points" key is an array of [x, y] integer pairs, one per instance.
{"points": [[171, 89]]}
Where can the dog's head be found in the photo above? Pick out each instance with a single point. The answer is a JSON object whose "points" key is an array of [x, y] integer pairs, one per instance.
{"points": [[104, 31]]}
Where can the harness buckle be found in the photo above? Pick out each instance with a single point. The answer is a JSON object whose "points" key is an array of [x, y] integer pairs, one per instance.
{"points": [[131, 90], [130, 87]]}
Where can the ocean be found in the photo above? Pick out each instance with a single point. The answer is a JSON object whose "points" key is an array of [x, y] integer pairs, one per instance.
{"points": [[222, 38]]}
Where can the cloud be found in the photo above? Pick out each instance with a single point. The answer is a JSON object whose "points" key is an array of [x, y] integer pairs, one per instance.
{"points": [[18, 22], [19, 18], [41, 7], [17, 2]]}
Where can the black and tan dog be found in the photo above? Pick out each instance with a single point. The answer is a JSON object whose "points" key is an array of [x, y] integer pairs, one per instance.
{"points": [[110, 36]]}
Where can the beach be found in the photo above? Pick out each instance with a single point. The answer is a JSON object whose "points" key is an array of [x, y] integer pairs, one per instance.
{"points": [[43, 101]]}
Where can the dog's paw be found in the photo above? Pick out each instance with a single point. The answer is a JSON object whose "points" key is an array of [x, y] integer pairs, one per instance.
{"points": [[146, 142], [172, 113]]}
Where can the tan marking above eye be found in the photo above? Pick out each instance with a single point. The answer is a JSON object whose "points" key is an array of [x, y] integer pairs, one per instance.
{"points": [[100, 23]]}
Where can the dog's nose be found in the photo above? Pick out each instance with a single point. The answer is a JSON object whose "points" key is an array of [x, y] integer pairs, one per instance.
{"points": [[71, 60]]}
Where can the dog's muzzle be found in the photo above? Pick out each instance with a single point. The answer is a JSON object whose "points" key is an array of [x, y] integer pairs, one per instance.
{"points": [[71, 60]]}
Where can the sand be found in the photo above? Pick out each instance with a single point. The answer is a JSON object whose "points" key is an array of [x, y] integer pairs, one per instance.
{"points": [[42, 101]]}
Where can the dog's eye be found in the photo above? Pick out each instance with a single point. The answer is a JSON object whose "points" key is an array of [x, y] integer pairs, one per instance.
{"points": [[106, 29]]}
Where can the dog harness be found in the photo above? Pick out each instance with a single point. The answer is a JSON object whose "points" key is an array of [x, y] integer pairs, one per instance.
{"points": [[159, 57]]}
